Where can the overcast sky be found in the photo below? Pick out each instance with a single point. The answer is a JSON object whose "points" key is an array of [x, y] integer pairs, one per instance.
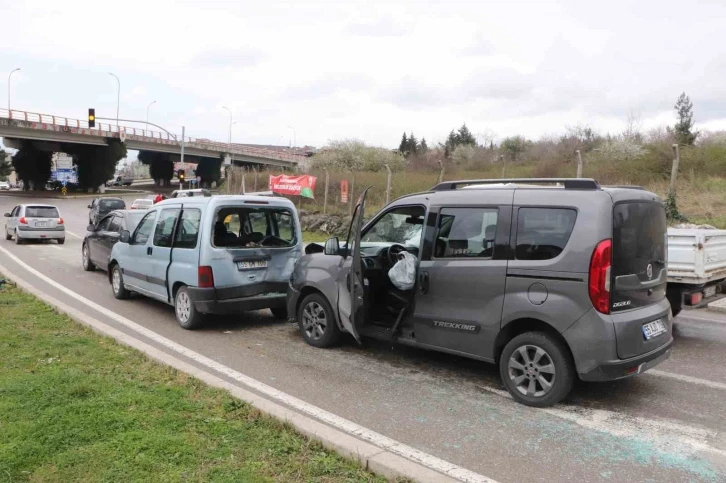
{"points": [[368, 69]]}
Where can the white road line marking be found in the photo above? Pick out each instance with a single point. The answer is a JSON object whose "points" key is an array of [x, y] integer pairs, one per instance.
{"points": [[74, 235], [692, 380], [338, 422], [666, 436]]}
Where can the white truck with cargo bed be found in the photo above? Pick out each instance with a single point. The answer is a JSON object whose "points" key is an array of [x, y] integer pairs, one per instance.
{"points": [[696, 265]]}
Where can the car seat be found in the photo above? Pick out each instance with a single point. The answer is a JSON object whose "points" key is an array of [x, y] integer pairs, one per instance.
{"points": [[490, 232]]}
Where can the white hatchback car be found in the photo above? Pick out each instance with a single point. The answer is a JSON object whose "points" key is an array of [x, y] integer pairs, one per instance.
{"points": [[142, 204], [35, 222]]}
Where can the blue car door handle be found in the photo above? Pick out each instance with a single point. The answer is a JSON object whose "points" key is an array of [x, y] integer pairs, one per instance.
{"points": [[149, 250]]}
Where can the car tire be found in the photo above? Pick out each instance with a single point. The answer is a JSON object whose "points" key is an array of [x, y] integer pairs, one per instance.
{"points": [[18, 241], [86, 259], [117, 283], [279, 313], [8, 236], [185, 311], [61, 241], [521, 367], [316, 321]]}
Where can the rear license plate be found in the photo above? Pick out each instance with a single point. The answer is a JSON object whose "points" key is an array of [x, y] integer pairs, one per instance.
{"points": [[41, 224], [252, 265], [653, 329], [709, 292]]}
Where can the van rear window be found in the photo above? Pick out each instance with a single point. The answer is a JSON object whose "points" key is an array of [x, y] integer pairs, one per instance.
{"points": [[249, 227], [543, 233], [639, 238]]}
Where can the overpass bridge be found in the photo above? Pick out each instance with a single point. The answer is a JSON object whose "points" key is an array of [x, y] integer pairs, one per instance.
{"points": [[20, 125]]}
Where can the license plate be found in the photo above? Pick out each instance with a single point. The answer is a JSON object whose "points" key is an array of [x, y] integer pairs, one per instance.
{"points": [[653, 329], [41, 224], [709, 292], [252, 265]]}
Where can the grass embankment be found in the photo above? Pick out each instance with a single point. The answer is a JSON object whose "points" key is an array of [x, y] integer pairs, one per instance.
{"points": [[75, 406]]}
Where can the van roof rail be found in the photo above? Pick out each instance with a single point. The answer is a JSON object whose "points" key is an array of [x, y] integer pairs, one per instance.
{"points": [[625, 187], [569, 183]]}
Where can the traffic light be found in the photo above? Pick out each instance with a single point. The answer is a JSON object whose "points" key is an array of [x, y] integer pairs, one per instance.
{"points": [[91, 117], [180, 174]]}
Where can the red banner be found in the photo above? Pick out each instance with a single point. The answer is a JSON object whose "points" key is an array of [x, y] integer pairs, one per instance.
{"points": [[293, 185]]}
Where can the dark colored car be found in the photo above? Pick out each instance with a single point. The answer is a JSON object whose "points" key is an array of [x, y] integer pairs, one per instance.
{"points": [[101, 237], [101, 207], [553, 280]]}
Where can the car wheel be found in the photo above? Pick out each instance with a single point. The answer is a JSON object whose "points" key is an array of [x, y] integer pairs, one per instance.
{"points": [[279, 312], [8, 236], [86, 257], [18, 241], [117, 283], [186, 313], [316, 322], [537, 369], [61, 241]]}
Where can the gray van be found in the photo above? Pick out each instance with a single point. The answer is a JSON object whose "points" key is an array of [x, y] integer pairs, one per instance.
{"points": [[210, 255], [550, 279]]}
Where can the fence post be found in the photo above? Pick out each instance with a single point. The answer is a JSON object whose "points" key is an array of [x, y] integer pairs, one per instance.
{"points": [[579, 164], [325, 198], [388, 184], [244, 189], [501, 160], [674, 170], [256, 173], [441, 172]]}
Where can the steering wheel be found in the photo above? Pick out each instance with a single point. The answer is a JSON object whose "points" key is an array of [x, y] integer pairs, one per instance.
{"points": [[393, 252]]}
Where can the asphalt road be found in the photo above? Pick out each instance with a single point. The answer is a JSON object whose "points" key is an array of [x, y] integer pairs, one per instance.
{"points": [[668, 425]]}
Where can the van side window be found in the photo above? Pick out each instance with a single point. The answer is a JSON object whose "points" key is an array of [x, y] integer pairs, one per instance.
{"points": [[543, 233], [466, 233], [165, 227], [186, 235], [143, 231]]}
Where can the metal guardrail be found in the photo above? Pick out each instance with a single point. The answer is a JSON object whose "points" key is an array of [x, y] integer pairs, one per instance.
{"points": [[153, 136]]}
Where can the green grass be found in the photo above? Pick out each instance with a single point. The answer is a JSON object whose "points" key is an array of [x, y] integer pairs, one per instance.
{"points": [[314, 236], [75, 406]]}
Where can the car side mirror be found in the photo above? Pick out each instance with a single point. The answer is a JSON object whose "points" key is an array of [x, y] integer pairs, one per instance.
{"points": [[89, 206], [125, 236], [7, 215], [332, 246], [90, 228]]}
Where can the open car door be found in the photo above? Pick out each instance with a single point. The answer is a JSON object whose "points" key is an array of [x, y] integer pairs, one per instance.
{"points": [[351, 285]]}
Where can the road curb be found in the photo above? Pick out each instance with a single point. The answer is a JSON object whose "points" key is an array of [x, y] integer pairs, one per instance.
{"points": [[371, 457]]}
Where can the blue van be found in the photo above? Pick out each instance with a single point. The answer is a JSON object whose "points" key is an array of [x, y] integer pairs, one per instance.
{"points": [[210, 255]]}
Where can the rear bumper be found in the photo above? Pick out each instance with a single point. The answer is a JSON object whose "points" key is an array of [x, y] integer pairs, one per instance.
{"points": [[619, 369], [41, 234], [232, 300]]}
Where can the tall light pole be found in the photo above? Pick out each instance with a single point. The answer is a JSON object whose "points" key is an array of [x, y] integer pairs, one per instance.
{"points": [[294, 136], [9, 75], [118, 95], [147, 114], [230, 131]]}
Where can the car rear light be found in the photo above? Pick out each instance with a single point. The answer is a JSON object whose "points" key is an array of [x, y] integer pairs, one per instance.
{"points": [[206, 277], [696, 298], [23, 221], [60, 221], [599, 285]]}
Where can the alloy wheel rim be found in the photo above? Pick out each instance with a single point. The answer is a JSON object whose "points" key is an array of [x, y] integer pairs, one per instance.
{"points": [[532, 371], [182, 307], [85, 256], [314, 321], [116, 280]]}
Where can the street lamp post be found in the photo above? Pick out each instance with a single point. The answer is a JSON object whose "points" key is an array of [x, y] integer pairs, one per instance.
{"points": [[118, 95], [294, 136], [147, 114], [10, 75]]}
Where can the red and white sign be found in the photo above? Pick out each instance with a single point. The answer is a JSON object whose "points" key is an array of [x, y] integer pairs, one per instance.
{"points": [[293, 185], [344, 191]]}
